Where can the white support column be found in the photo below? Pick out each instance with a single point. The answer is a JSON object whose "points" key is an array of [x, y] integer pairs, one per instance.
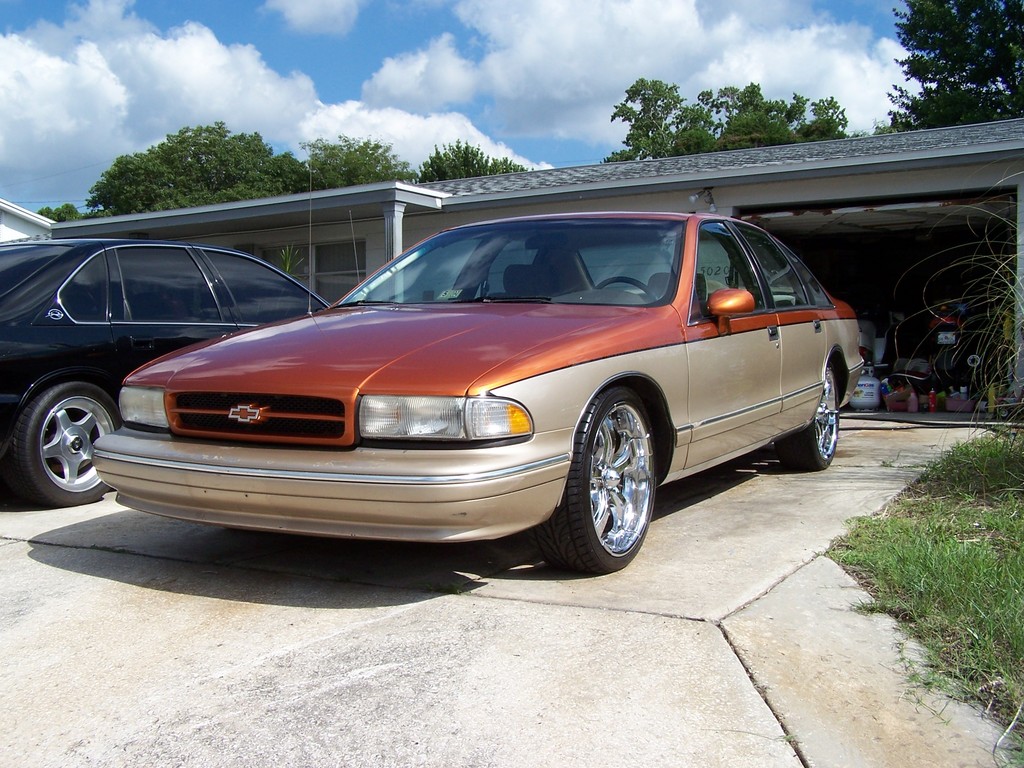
{"points": [[393, 212]]}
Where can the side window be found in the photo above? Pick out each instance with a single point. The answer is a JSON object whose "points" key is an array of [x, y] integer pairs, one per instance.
{"points": [[815, 292], [721, 263], [84, 296], [261, 294], [784, 282], [165, 285]]}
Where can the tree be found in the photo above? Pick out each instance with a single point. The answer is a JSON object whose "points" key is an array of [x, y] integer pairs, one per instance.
{"points": [[662, 124], [745, 118], [66, 212], [652, 110], [967, 56], [349, 162], [195, 166], [464, 161]]}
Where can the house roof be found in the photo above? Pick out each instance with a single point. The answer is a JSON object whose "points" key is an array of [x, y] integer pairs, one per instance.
{"points": [[23, 213], [943, 148], [944, 145]]}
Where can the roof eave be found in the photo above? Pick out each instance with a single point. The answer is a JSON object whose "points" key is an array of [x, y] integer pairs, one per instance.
{"points": [[832, 167], [319, 200]]}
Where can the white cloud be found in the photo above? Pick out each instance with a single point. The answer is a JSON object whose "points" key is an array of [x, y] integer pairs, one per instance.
{"points": [[558, 69], [413, 137], [331, 17], [423, 81], [815, 61], [59, 114], [106, 84], [189, 77]]}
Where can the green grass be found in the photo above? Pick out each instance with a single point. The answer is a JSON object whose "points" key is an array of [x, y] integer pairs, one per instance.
{"points": [[947, 560]]}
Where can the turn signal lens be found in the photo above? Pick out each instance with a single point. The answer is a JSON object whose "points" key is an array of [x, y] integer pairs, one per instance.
{"points": [[491, 418]]}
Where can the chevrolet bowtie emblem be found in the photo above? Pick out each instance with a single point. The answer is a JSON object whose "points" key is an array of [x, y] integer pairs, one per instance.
{"points": [[245, 414]]}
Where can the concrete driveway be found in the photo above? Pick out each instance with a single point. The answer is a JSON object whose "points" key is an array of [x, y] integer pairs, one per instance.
{"points": [[731, 641]]}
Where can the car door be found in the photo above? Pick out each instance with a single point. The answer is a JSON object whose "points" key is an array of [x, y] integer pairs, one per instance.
{"points": [[164, 302], [71, 337], [735, 376], [801, 326]]}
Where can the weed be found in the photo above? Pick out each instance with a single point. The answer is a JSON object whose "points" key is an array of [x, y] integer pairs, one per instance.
{"points": [[947, 561]]}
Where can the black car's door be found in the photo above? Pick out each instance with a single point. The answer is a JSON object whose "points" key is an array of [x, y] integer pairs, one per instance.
{"points": [[161, 301], [71, 334]]}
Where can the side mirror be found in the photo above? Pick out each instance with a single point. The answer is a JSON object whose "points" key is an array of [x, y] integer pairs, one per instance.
{"points": [[724, 303]]}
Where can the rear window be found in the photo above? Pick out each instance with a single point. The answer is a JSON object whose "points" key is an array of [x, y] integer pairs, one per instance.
{"points": [[20, 262]]}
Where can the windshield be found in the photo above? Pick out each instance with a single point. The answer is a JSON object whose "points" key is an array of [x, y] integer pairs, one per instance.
{"points": [[607, 261]]}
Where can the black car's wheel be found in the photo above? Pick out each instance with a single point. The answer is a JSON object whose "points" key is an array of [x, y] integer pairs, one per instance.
{"points": [[49, 460], [603, 518], [814, 447]]}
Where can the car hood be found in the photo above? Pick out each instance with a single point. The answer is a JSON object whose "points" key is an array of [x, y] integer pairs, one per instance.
{"points": [[427, 350]]}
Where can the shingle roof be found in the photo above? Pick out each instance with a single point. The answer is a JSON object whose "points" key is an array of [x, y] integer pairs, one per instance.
{"points": [[936, 139]]}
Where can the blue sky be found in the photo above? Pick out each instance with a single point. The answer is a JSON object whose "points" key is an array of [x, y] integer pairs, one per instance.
{"points": [[535, 80]]}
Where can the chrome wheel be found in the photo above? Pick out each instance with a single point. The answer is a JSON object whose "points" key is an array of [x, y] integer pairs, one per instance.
{"points": [[814, 446], [603, 517], [66, 438], [826, 421], [621, 496]]}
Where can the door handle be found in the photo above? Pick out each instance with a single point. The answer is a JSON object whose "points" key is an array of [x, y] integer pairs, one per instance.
{"points": [[773, 332], [142, 344], [817, 326]]}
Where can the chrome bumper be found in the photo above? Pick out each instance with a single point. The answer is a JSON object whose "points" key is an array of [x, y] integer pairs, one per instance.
{"points": [[411, 495]]}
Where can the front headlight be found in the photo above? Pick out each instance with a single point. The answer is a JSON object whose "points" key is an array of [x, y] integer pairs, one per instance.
{"points": [[143, 405], [389, 417]]}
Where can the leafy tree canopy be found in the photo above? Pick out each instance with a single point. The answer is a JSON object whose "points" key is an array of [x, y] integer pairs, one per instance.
{"points": [[967, 56], [662, 124], [208, 164], [350, 161], [464, 161], [66, 212], [196, 166]]}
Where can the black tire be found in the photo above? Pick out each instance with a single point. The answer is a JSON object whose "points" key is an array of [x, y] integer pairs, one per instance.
{"points": [[603, 517], [49, 460], [813, 448]]}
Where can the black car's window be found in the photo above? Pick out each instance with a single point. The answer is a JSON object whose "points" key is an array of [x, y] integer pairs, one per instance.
{"points": [[784, 284], [605, 261], [261, 294], [721, 263], [165, 285], [20, 262], [84, 296]]}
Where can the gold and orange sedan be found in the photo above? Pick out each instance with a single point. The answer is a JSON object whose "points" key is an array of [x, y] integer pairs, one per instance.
{"points": [[545, 372]]}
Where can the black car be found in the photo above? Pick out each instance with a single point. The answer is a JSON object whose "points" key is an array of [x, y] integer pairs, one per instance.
{"points": [[76, 316]]}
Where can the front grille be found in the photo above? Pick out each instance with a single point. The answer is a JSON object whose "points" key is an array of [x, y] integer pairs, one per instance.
{"points": [[253, 416]]}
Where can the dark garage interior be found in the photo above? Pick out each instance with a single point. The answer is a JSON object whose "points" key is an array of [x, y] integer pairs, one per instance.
{"points": [[912, 267]]}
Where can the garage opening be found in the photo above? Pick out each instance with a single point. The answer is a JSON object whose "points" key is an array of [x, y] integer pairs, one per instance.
{"points": [[915, 269]]}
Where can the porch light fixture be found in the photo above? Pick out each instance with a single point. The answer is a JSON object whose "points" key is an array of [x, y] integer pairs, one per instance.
{"points": [[707, 197]]}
